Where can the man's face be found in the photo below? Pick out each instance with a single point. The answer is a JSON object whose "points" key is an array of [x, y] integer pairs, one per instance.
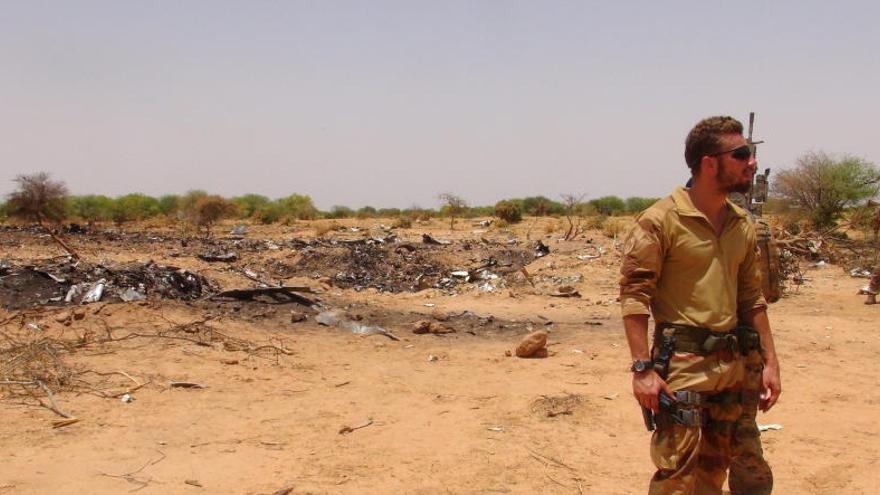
{"points": [[732, 174]]}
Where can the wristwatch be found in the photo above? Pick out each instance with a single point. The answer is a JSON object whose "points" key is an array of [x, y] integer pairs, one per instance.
{"points": [[641, 366]]}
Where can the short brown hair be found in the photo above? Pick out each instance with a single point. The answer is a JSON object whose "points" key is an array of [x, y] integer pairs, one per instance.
{"points": [[704, 139]]}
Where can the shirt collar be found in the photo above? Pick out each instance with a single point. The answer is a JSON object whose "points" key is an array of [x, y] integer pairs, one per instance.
{"points": [[686, 207]]}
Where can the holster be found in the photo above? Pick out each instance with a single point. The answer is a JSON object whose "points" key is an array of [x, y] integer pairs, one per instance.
{"points": [[688, 408], [749, 339]]}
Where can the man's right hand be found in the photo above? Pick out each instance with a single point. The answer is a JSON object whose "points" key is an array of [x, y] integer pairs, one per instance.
{"points": [[647, 387]]}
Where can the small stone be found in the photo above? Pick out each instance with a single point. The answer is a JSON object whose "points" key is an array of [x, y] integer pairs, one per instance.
{"points": [[62, 318], [440, 315], [78, 314], [439, 329], [531, 344], [541, 353], [421, 326], [296, 317], [566, 291]]}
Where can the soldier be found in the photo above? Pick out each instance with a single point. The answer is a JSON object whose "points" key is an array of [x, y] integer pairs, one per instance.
{"points": [[691, 261], [873, 288]]}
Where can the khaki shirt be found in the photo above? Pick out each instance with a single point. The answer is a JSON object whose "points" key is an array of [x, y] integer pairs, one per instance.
{"points": [[676, 268]]}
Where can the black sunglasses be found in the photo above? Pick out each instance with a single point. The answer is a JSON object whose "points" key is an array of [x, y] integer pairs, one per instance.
{"points": [[743, 153]]}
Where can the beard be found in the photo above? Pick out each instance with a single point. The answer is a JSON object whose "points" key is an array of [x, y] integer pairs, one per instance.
{"points": [[730, 182]]}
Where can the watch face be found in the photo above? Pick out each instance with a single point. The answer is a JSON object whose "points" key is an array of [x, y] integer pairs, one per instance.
{"points": [[640, 366]]}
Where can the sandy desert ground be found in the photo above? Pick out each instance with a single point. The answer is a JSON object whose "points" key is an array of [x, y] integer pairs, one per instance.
{"points": [[322, 410]]}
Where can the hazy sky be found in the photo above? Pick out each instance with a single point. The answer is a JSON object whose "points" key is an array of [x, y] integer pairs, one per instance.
{"points": [[388, 103]]}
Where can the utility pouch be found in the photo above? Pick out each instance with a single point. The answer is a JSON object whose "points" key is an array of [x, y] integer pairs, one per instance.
{"points": [[721, 342], [749, 339]]}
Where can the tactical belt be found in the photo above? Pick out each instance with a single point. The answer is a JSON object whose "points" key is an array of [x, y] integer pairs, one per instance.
{"points": [[702, 341]]}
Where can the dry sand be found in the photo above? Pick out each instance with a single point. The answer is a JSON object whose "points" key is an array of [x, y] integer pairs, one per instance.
{"points": [[467, 420]]}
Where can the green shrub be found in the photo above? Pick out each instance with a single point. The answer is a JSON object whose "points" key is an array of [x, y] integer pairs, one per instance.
{"points": [[169, 204], [609, 205], [249, 204], [271, 213], [367, 212], [508, 211], [402, 222], [338, 211], [298, 206], [134, 207], [93, 208], [825, 185], [389, 212], [636, 204]]}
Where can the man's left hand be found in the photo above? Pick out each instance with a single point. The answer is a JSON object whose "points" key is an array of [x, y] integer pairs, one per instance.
{"points": [[771, 386]]}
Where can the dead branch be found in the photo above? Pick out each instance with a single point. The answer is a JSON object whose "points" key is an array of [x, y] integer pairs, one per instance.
{"points": [[59, 241], [131, 478], [53, 406], [547, 459]]}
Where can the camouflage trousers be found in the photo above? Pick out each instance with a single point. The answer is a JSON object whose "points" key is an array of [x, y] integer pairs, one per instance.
{"points": [[749, 472], [874, 284], [695, 460]]}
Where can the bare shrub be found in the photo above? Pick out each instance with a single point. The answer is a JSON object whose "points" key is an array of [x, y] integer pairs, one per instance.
{"points": [[322, 228], [453, 206], [40, 199], [615, 226], [210, 209], [571, 202]]}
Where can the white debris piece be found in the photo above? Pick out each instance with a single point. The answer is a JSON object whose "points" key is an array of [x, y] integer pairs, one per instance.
{"points": [[95, 292], [771, 426]]}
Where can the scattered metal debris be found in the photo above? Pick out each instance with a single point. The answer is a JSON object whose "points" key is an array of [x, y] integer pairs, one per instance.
{"points": [[79, 282], [541, 249], [130, 294], [279, 295], [771, 426], [95, 292], [226, 257], [337, 318], [860, 273]]}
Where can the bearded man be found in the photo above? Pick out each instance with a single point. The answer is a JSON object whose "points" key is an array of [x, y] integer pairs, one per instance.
{"points": [[691, 261]]}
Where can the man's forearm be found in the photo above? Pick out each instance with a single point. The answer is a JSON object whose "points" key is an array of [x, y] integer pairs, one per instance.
{"points": [[636, 327]]}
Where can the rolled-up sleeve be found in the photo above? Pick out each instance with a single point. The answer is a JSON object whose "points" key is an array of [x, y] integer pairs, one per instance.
{"points": [[643, 254], [749, 289]]}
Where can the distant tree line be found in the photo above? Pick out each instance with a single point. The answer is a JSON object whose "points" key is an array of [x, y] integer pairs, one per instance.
{"points": [[202, 209]]}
